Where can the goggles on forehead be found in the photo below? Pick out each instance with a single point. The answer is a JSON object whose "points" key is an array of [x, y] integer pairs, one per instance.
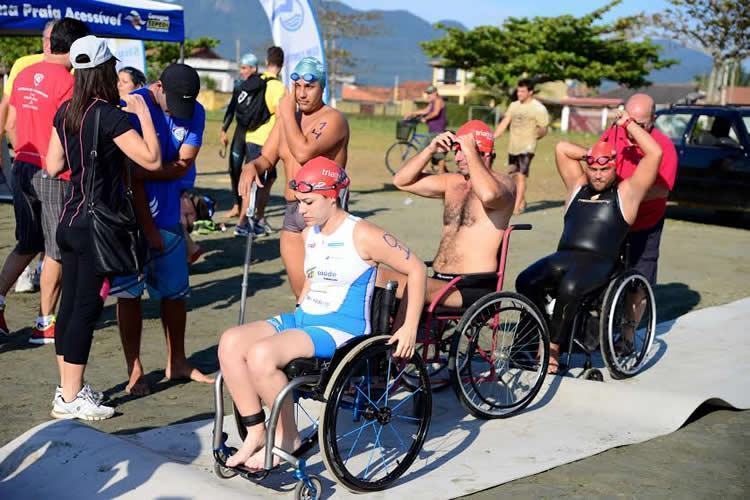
{"points": [[308, 187], [600, 160], [306, 77]]}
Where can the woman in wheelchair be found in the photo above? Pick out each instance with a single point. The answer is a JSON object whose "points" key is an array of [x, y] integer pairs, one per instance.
{"points": [[598, 214], [341, 256]]}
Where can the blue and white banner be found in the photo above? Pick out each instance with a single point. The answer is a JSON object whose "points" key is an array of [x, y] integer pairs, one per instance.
{"points": [[295, 29], [135, 19], [128, 52]]}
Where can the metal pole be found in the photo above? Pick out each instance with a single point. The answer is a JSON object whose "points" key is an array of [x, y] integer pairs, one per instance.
{"points": [[248, 250], [182, 52]]}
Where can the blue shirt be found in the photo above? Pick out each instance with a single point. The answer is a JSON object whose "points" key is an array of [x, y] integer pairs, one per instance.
{"points": [[164, 196]]}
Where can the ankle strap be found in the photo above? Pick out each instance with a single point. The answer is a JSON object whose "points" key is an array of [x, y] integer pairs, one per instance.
{"points": [[255, 419]]}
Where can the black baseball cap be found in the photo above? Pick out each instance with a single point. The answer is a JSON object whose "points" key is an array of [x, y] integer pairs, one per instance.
{"points": [[181, 83]]}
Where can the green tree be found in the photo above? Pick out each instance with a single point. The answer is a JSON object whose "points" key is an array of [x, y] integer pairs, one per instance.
{"points": [[13, 47], [337, 26], [717, 27], [159, 55], [585, 49]]}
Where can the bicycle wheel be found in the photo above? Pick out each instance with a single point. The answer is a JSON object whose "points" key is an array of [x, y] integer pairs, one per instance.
{"points": [[397, 154]]}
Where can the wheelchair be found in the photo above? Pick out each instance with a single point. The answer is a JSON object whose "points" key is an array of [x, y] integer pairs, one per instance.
{"points": [[624, 307], [371, 426], [494, 352]]}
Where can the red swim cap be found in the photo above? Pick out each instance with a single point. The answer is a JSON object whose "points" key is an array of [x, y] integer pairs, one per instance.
{"points": [[600, 150], [482, 135], [321, 176]]}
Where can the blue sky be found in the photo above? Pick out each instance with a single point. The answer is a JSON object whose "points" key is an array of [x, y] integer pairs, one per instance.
{"points": [[472, 13]]}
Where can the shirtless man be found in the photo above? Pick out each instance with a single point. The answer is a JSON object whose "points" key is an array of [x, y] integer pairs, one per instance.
{"points": [[478, 204], [304, 128]]}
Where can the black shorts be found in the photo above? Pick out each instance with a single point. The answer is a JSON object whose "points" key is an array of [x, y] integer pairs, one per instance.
{"points": [[473, 287], [38, 202], [643, 252], [520, 163]]}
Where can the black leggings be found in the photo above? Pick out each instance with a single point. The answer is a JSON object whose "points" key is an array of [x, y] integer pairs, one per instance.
{"points": [[236, 161], [80, 304], [567, 276]]}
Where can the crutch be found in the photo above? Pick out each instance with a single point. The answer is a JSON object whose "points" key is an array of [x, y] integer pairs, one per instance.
{"points": [[248, 250]]}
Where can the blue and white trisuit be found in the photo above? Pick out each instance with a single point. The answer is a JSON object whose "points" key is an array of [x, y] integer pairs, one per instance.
{"points": [[336, 307]]}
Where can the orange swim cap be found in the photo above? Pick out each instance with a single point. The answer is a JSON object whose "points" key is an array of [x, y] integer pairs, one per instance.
{"points": [[482, 135], [320, 175]]}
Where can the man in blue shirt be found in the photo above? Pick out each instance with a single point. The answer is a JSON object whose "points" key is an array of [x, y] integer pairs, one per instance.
{"points": [[179, 121]]}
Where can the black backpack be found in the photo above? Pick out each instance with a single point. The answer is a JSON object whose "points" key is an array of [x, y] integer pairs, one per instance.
{"points": [[251, 110]]}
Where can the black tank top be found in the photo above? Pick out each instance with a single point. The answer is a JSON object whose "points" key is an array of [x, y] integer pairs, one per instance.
{"points": [[594, 223]]}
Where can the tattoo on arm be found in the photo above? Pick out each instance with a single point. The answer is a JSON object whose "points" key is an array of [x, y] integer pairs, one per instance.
{"points": [[393, 242], [318, 131]]}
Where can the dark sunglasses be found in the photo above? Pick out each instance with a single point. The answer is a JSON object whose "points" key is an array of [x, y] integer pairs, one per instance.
{"points": [[601, 160], [307, 77]]}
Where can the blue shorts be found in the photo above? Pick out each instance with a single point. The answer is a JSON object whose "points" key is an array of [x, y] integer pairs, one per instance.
{"points": [[325, 339], [165, 274]]}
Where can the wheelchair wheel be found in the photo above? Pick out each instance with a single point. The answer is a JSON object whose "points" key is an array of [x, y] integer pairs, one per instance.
{"points": [[499, 355], [397, 154], [627, 324], [370, 432], [435, 357], [303, 492]]}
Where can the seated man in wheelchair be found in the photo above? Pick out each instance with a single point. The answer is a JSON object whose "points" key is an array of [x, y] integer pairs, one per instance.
{"points": [[598, 213], [478, 203], [341, 256]]}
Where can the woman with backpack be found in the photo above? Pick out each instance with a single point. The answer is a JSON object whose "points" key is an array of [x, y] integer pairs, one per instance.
{"points": [[90, 121]]}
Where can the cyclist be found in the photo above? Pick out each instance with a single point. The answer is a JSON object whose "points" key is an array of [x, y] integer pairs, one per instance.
{"points": [[433, 115], [342, 252]]}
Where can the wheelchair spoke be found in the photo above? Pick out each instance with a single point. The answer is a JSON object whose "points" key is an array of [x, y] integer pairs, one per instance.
{"points": [[354, 445], [407, 398], [395, 434], [365, 425]]}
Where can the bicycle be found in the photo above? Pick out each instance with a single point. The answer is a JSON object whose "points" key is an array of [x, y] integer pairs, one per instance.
{"points": [[408, 143]]}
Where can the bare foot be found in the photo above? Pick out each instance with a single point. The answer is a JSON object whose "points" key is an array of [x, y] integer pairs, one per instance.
{"points": [[253, 442], [554, 357], [137, 385], [234, 212], [257, 462], [183, 371]]}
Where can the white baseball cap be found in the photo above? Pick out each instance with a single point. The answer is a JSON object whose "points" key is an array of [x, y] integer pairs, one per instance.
{"points": [[95, 49]]}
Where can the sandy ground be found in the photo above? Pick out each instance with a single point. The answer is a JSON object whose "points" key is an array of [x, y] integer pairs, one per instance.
{"points": [[703, 263]]}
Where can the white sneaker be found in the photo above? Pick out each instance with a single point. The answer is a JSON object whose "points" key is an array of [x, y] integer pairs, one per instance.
{"points": [[25, 283], [96, 396], [82, 407]]}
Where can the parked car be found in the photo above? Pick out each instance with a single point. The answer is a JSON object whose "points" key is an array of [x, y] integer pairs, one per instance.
{"points": [[713, 147]]}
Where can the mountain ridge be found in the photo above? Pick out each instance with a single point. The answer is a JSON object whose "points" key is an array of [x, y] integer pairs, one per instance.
{"points": [[392, 53]]}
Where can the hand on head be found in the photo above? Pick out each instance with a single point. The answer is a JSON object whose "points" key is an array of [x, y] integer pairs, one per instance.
{"points": [[443, 142]]}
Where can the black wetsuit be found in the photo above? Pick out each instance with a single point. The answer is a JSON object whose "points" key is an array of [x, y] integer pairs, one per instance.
{"points": [[589, 247], [236, 154]]}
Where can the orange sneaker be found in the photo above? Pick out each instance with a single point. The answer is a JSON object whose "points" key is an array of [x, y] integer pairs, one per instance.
{"points": [[43, 336]]}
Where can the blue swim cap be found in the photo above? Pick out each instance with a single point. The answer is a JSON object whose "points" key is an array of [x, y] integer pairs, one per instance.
{"points": [[309, 69], [249, 59]]}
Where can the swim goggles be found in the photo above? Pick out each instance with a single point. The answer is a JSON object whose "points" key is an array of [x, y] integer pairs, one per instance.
{"points": [[307, 77]]}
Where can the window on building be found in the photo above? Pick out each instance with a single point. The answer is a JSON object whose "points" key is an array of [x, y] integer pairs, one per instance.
{"points": [[450, 76]]}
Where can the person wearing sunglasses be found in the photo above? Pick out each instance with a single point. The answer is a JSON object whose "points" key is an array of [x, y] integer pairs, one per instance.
{"points": [[478, 203], [598, 214], [305, 128], [340, 262]]}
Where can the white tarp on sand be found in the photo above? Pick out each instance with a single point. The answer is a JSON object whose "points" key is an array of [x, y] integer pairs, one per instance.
{"points": [[703, 356]]}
